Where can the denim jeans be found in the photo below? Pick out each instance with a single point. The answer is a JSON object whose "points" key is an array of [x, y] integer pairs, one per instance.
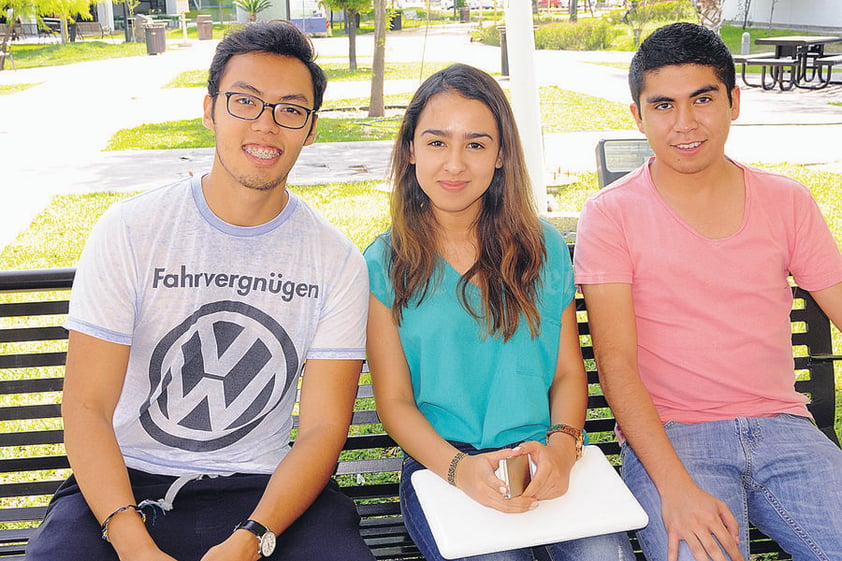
{"points": [[599, 548], [780, 473]]}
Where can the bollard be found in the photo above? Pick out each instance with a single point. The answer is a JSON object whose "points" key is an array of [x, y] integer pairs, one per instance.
{"points": [[504, 51], [745, 48]]}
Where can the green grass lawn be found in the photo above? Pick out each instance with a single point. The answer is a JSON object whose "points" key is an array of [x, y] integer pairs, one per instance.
{"points": [[15, 88], [561, 111], [336, 72], [35, 56]]}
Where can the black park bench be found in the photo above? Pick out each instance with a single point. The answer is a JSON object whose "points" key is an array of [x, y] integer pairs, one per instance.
{"points": [[33, 306]]}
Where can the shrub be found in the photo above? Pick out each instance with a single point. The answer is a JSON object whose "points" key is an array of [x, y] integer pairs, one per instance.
{"points": [[586, 35]]}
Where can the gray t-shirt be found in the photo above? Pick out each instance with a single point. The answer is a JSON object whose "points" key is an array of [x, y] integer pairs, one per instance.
{"points": [[220, 320]]}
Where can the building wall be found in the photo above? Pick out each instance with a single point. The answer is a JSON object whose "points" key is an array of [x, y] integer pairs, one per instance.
{"points": [[819, 15]]}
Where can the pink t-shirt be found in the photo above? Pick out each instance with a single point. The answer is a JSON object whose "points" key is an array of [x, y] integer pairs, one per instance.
{"points": [[714, 337]]}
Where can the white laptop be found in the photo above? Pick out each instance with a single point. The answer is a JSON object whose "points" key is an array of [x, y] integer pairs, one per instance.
{"points": [[597, 502]]}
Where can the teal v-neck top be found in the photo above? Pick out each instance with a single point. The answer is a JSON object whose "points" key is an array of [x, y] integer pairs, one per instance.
{"points": [[474, 388]]}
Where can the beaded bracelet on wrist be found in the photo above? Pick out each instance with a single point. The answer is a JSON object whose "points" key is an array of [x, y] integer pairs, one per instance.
{"points": [[115, 513], [451, 471]]}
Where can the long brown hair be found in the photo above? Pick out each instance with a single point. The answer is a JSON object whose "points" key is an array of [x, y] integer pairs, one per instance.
{"points": [[511, 243]]}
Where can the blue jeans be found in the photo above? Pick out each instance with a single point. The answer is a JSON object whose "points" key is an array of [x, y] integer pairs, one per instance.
{"points": [[779, 473], [599, 548]]}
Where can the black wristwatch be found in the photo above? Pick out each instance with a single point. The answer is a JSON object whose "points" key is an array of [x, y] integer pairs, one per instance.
{"points": [[265, 537]]}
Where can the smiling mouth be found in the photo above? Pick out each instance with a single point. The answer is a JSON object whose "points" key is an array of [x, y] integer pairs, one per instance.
{"points": [[262, 152], [452, 185], [689, 146]]}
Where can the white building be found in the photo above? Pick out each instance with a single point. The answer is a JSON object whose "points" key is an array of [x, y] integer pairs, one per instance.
{"points": [[807, 15]]}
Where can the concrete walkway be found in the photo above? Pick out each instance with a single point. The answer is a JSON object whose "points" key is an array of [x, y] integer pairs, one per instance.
{"points": [[52, 135]]}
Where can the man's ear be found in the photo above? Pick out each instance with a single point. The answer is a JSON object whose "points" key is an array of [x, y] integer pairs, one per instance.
{"points": [[207, 115], [635, 111], [735, 103], [311, 138]]}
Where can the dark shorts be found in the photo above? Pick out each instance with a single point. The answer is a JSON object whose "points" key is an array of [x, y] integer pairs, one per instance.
{"points": [[204, 514]]}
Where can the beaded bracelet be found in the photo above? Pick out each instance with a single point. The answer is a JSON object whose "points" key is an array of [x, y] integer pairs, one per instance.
{"points": [[451, 471], [115, 513]]}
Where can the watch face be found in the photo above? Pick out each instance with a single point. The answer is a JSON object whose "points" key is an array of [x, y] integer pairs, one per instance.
{"points": [[267, 544]]}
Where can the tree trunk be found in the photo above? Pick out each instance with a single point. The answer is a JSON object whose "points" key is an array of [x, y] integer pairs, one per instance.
{"points": [[6, 40], [351, 30], [574, 10], [64, 34], [376, 105]]}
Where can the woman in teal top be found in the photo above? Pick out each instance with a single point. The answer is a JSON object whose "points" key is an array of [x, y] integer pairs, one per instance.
{"points": [[473, 343]]}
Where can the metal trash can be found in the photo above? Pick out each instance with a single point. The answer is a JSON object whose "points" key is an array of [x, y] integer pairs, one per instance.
{"points": [[204, 25], [156, 38], [465, 14]]}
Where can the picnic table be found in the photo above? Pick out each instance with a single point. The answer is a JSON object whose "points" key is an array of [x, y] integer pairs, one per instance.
{"points": [[799, 61]]}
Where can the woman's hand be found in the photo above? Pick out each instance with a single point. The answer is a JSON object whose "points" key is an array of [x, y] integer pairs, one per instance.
{"points": [[475, 476], [552, 474]]}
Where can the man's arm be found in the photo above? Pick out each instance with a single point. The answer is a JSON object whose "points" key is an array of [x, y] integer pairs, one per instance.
{"points": [[326, 404], [689, 513], [830, 301], [93, 382]]}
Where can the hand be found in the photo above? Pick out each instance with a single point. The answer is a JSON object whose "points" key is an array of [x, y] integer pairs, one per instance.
{"points": [[692, 515], [147, 554], [475, 476], [552, 474], [240, 546]]}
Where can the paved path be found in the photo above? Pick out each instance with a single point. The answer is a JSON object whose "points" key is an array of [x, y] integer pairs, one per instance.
{"points": [[52, 135]]}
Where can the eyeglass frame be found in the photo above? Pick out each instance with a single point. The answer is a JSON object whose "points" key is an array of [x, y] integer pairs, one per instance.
{"points": [[266, 104]]}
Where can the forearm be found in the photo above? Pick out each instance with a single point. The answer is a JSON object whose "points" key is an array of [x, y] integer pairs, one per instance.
{"points": [[416, 436], [299, 478], [642, 427], [93, 384], [101, 473]]}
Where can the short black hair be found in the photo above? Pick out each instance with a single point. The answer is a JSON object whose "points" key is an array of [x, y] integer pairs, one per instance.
{"points": [[277, 37], [681, 43]]}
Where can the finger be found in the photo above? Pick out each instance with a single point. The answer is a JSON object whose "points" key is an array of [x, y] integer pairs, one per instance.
{"points": [[712, 549], [729, 543], [731, 523], [672, 547]]}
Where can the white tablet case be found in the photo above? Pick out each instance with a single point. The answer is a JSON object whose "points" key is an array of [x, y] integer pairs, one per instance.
{"points": [[597, 502]]}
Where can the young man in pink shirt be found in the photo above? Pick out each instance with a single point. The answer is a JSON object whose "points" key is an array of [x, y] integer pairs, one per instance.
{"points": [[684, 264]]}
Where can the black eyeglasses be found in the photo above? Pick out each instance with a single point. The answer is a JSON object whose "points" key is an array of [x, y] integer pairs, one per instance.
{"points": [[250, 108]]}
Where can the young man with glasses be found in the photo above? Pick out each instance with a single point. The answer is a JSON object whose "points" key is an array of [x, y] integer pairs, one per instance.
{"points": [[683, 264], [194, 309]]}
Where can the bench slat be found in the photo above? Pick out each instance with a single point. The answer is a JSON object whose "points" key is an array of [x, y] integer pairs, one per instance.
{"points": [[23, 412]]}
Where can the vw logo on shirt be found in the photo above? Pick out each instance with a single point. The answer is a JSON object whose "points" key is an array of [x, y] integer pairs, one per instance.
{"points": [[216, 376]]}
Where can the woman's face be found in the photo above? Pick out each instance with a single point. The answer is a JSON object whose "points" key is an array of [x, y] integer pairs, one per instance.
{"points": [[455, 150]]}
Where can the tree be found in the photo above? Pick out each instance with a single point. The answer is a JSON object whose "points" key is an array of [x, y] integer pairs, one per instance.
{"points": [[65, 10], [710, 13], [351, 8], [744, 7], [377, 105], [14, 9], [253, 7]]}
